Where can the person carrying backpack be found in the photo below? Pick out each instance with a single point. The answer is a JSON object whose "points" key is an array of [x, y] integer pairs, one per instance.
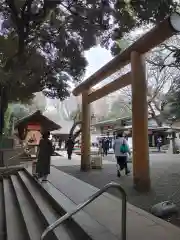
{"points": [[121, 151]]}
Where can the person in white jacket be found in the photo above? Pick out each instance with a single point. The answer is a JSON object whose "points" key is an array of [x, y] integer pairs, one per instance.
{"points": [[121, 157]]}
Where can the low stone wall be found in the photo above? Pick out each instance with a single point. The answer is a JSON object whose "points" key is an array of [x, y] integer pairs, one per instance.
{"points": [[96, 161], [11, 157]]}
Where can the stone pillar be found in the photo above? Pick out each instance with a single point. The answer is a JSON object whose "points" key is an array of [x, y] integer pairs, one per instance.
{"points": [[85, 136], [140, 124], [1, 158], [153, 141]]}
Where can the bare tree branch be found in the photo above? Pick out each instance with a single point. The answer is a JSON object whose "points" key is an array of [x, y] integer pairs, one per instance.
{"points": [[73, 127], [76, 134]]}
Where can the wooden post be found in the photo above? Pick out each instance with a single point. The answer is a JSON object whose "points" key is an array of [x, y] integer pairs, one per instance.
{"points": [[85, 136], [140, 124], [153, 140]]}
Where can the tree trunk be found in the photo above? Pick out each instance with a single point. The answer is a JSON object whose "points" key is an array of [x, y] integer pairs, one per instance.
{"points": [[1, 159], [153, 115], [71, 133], [174, 148], [76, 134], [3, 108]]}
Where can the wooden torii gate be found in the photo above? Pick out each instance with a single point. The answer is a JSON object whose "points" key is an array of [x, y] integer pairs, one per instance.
{"points": [[137, 78]]}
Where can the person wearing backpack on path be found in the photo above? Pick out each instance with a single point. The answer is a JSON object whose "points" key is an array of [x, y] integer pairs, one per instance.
{"points": [[121, 151]]}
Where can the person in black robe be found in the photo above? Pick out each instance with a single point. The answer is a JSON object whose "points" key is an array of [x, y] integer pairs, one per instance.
{"points": [[69, 146], [44, 156]]}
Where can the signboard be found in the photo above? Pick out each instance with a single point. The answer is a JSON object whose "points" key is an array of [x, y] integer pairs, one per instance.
{"points": [[35, 127], [33, 137], [150, 132], [108, 127]]}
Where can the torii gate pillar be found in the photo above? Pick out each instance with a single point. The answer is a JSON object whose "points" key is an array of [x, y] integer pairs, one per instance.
{"points": [[140, 123], [85, 135]]}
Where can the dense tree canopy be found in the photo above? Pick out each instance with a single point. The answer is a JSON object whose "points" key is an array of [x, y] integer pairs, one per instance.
{"points": [[132, 14], [40, 40], [172, 103], [43, 38]]}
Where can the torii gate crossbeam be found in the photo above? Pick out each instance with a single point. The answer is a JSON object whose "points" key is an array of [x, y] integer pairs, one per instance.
{"points": [[137, 79]]}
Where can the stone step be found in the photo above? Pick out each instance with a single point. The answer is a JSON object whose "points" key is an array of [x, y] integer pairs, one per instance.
{"points": [[28, 208], [85, 225], [33, 222], [45, 208], [2, 213], [15, 226]]}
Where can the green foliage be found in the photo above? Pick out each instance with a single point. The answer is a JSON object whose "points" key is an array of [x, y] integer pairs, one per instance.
{"points": [[19, 111], [133, 14], [120, 108], [76, 115], [7, 120], [14, 113], [172, 102], [42, 39]]}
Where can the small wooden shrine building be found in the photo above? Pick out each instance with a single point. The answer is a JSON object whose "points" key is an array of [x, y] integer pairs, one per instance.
{"points": [[30, 128]]}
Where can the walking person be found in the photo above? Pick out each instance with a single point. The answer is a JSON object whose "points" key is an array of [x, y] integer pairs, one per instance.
{"points": [[159, 143], [107, 142], [69, 146], [121, 150], [105, 146], [45, 152]]}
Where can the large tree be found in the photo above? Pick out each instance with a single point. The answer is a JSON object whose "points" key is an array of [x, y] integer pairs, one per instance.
{"points": [[39, 102], [133, 14], [41, 39], [76, 116], [163, 72], [172, 102], [160, 82], [120, 108]]}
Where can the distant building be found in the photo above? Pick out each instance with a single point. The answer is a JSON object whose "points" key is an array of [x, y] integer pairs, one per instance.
{"points": [[112, 127], [63, 133]]}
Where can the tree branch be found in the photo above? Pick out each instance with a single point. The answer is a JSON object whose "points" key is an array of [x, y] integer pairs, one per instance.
{"points": [[153, 114], [74, 126], [76, 134], [170, 48], [14, 10]]}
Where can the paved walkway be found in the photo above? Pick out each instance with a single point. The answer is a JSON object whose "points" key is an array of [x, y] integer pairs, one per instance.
{"points": [[75, 161], [165, 179], [106, 211]]}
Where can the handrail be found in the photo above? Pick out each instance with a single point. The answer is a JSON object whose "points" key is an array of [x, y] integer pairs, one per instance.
{"points": [[14, 156], [7, 170], [89, 200]]}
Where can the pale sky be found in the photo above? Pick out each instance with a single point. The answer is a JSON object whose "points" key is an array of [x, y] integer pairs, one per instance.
{"points": [[96, 57]]}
